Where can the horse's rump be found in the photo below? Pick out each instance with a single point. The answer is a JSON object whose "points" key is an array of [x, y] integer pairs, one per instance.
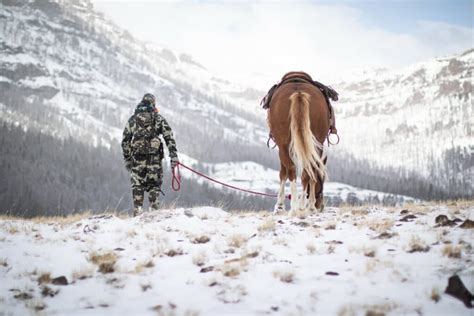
{"points": [[305, 150]]}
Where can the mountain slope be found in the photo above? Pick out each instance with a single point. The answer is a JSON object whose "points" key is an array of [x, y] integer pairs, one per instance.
{"points": [[70, 72], [417, 120]]}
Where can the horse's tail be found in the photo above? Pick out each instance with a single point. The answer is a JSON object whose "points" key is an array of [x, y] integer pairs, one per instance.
{"points": [[304, 147]]}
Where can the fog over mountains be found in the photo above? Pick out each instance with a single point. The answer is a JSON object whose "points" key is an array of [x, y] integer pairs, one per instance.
{"points": [[70, 78]]}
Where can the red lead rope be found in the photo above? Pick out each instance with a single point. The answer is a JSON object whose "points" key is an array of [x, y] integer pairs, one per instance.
{"points": [[176, 182]]}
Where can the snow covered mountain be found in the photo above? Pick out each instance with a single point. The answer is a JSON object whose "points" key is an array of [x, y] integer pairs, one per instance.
{"points": [[417, 120], [86, 75]]}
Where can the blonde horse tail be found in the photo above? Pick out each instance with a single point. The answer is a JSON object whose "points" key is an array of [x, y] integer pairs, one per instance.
{"points": [[304, 147]]}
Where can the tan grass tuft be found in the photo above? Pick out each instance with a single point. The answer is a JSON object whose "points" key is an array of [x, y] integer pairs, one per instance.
{"points": [[434, 295], [106, 261], [144, 265], [44, 278], [236, 240], [231, 270], [267, 226], [83, 274], [451, 251], [379, 225], [417, 245]]}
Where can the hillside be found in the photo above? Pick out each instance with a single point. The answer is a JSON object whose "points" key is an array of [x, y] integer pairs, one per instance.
{"points": [[204, 261], [417, 122]]}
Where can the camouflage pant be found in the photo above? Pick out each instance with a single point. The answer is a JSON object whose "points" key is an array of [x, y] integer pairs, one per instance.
{"points": [[147, 176]]}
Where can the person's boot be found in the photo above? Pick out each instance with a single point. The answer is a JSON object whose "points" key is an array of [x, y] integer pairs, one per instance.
{"points": [[154, 207], [137, 211]]}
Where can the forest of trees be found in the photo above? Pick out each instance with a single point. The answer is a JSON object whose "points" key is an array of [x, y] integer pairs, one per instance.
{"points": [[453, 178]]}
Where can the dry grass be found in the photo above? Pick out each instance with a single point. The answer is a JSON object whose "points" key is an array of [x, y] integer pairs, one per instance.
{"points": [[378, 225], [231, 270], [434, 295], [106, 261], [284, 276], [417, 245], [44, 278], [12, 229], [131, 233], [83, 273], [301, 214], [147, 264], [267, 226], [370, 310], [236, 240], [451, 251], [374, 264]]}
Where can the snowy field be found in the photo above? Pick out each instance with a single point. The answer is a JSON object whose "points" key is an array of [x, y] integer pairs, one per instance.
{"points": [[204, 261]]}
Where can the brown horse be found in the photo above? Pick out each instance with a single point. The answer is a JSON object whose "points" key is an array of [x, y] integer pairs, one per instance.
{"points": [[298, 118]]}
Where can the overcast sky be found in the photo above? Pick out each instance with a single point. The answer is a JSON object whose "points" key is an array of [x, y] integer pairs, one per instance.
{"points": [[328, 39]]}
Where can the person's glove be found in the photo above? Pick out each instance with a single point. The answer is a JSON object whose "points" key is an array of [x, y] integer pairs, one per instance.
{"points": [[174, 162], [128, 165]]}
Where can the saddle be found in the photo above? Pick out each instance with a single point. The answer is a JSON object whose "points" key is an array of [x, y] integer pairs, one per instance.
{"points": [[302, 77]]}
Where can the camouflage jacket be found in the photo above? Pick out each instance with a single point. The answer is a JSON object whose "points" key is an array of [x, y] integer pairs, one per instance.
{"points": [[161, 128]]}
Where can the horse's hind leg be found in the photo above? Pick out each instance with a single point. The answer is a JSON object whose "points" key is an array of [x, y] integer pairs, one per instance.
{"points": [[280, 205], [312, 196], [287, 165]]}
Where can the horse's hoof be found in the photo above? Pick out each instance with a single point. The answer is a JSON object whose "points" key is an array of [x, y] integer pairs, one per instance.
{"points": [[278, 208]]}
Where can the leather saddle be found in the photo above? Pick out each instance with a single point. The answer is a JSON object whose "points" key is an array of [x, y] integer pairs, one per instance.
{"points": [[302, 77]]}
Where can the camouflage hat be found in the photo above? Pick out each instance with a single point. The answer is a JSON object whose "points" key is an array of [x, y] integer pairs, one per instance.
{"points": [[149, 98]]}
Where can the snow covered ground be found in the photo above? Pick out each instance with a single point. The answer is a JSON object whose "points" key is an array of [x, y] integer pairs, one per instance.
{"points": [[204, 261]]}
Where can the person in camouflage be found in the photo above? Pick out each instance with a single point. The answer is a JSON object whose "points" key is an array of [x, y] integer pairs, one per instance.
{"points": [[143, 152]]}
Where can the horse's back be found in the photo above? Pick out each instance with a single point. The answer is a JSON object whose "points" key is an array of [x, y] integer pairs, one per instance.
{"points": [[280, 110]]}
